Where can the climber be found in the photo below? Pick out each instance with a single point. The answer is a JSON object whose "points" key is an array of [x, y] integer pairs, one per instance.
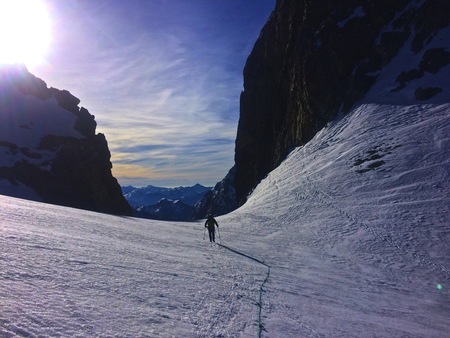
{"points": [[209, 223]]}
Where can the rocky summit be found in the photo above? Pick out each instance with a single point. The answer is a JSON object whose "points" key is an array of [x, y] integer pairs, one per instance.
{"points": [[50, 151], [315, 59]]}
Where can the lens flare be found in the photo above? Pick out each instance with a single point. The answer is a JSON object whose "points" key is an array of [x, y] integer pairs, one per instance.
{"points": [[24, 31]]}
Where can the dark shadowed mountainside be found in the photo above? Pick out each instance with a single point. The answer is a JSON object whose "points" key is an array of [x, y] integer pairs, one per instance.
{"points": [[50, 151], [316, 59], [218, 201]]}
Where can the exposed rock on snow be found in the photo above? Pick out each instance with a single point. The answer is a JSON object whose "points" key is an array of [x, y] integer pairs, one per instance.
{"points": [[49, 148], [220, 200], [315, 59], [354, 224], [350, 254]]}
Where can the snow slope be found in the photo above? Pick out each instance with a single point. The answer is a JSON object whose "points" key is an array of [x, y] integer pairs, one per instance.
{"points": [[354, 227], [72, 273]]}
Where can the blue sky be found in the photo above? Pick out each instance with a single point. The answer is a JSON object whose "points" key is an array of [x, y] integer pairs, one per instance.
{"points": [[162, 77]]}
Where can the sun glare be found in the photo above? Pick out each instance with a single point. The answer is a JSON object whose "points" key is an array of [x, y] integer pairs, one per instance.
{"points": [[24, 31]]}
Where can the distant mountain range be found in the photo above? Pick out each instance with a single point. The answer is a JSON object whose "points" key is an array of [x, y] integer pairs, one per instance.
{"points": [[150, 194], [172, 204]]}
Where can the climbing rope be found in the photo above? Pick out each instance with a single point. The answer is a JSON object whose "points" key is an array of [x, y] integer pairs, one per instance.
{"points": [[261, 288], [261, 327]]}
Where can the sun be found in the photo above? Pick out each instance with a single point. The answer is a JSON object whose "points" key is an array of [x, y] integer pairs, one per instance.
{"points": [[24, 31]]}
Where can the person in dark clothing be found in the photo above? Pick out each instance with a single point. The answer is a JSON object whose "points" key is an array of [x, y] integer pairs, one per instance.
{"points": [[209, 223]]}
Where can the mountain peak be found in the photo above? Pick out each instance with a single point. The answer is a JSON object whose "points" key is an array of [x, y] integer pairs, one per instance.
{"points": [[63, 162], [151, 195]]}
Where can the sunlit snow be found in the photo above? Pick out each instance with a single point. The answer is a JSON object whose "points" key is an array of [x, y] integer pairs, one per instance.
{"points": [[354, 227]]}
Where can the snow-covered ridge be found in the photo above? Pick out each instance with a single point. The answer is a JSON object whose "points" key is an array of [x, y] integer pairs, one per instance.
{"points": [[26, 119], [34, 117], [357, 227], [354, 228], [151, 195], [49, 149], [168, 204], [316, 59]]}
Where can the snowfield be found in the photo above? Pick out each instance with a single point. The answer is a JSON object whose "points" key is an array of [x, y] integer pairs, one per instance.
{"points": [[357, 228], [72, 273], [348, 237]]}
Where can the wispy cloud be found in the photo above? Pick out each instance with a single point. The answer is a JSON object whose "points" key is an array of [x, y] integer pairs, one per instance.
{"points": [[162, 78]]}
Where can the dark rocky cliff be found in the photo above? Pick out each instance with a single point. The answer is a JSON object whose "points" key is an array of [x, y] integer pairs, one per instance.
{"points": [[314, 59], [51, 147], [218, 201]]}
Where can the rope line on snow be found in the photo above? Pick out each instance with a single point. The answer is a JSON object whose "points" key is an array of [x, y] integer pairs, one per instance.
{"points": [[259, 304]]}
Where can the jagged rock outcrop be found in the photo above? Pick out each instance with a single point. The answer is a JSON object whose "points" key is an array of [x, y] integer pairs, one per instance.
{"points": [[314, 59], [49, 148], [220, 200]]}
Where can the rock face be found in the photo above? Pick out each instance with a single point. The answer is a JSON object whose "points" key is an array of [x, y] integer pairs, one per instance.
{"points": [[220, 200], [49, 148], [315, 59]]}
